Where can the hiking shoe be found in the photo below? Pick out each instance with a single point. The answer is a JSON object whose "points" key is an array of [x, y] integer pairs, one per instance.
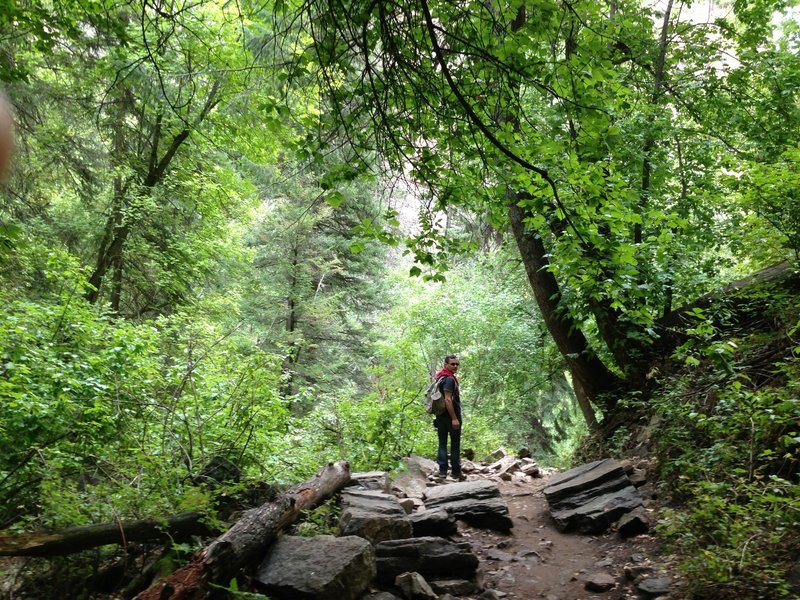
{"points": [[459, 476]]}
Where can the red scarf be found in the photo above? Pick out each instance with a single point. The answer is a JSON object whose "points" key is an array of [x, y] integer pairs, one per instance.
{"points": [[445, 372]]}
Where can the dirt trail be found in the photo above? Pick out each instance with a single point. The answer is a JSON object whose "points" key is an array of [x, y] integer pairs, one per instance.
{"points": [[538, 561]]}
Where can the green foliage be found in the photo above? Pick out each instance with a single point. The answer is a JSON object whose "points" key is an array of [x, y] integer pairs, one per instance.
{"points": [[97, 415], [194, 248], [772, 191], [322, 520], [514, 387], [704, 342], [737, 539], [233, 592], [729, 450]]}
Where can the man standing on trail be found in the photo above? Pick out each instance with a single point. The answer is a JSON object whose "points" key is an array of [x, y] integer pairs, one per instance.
{"points": [[448, 424]]}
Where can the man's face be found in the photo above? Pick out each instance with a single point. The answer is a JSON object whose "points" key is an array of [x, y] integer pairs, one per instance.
{"points": [[452, 364]]}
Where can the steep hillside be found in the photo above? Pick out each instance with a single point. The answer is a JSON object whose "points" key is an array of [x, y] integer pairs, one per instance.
{"points": [[721, 418]]}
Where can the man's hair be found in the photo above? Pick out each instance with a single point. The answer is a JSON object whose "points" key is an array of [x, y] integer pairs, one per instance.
{"points": [[448, 358]]}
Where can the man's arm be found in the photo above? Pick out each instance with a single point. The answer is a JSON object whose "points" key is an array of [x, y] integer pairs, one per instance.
{"points": [[448, 405]]}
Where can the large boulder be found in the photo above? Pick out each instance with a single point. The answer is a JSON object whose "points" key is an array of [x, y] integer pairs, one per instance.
{"points": [[591, 497], [373, 515], [317, 568], [432, 557], [479, 503]]}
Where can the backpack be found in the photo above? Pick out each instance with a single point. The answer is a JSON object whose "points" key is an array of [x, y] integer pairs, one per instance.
{"points": [[434, 399]]}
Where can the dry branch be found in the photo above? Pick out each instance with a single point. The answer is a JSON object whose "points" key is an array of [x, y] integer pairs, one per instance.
{"points": [[248, 539], [75, 539]]}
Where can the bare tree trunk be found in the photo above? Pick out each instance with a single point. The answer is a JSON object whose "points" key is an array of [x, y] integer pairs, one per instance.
{"points": [[587, 369], [76, 539]]}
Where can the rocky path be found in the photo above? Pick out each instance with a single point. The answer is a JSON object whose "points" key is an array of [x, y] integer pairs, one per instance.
{"points": [[497, 535], [537, 561]]}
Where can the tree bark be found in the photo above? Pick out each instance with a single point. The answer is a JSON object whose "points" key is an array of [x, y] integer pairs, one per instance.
{"points": [[247, 541], [75, 539], [588, 371]]}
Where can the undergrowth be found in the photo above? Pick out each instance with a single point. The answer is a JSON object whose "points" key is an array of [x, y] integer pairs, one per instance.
{"points": [[727, 440]]}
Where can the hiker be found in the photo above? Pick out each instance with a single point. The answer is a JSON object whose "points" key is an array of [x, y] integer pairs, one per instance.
{"points": [[448, 424]]}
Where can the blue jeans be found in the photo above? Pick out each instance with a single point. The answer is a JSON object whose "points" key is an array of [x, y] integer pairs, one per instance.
{"points": [[444, 428]]}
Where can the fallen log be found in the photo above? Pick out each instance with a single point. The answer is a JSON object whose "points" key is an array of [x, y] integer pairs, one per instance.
{"points": [[247, 541], [75, 539]]}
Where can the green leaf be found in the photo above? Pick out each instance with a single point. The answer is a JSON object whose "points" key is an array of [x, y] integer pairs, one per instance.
{"points": [[334, 199]]}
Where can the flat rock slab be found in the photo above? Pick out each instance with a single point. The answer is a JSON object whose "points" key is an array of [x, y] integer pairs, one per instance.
{"points": [[373, 500], [432, 557], [373, 515], [591, 497], [462, 490], [586, 477], [317, 568], [412, 478], [433, 522], [371, 480], [479, 503]]}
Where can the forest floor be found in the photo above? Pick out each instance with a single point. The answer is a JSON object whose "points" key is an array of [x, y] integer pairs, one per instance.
{"points": [[533, 561], [537, 561]]}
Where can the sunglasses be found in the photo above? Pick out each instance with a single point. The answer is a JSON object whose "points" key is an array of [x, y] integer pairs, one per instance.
{"points": [[454, 364]]}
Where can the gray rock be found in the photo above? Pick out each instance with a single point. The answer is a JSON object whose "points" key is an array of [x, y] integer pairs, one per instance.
{"points": [[591, 497], [477, 502], [374, 500], [467, 466], [435, 522], [432, 557], [455, 587], [489, 513], [606, 562], [373, 515], [654, 587], [633, 523], [636, 572], [600, 582], [529, 467], [638, 477], [507, 464], [414, 587], [317, 568], [602, 475], [499, 555], [498, 454], [371, 480], [380, 596], [597, 514], [463, 490], [412, 476]]}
